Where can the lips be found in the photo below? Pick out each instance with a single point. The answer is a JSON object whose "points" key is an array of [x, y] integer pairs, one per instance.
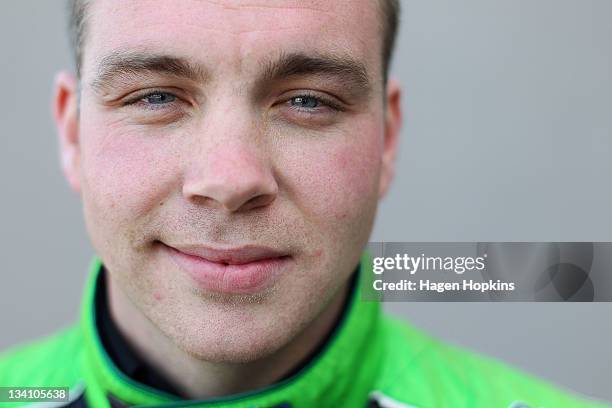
{"points": [[235, 256], [239, 270]]}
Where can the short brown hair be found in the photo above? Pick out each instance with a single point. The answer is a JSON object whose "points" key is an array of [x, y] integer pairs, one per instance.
{"points": [[390, 10]]}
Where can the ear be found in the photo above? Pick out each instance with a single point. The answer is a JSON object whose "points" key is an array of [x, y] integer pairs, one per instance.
{"points": [[393, 123], [65, 113]]}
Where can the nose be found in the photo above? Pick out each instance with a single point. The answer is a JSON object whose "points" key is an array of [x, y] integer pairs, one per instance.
{"points": [[233, 177]]}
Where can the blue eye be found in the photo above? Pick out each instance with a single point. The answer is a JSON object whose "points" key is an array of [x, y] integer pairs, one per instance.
{"points": [[159, 98], [308, 102]]}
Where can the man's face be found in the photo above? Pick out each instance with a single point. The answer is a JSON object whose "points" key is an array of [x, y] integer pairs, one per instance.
{"points": [[266, 139]]}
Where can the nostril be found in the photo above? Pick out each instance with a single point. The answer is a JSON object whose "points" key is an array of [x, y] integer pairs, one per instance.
{"points": [[258, 201]]}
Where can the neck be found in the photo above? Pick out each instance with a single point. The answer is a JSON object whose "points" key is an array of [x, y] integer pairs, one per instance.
{"points": [[198, 379]]}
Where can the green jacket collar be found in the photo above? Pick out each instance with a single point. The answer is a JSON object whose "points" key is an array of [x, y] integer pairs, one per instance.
{"points": [[343, 374]]}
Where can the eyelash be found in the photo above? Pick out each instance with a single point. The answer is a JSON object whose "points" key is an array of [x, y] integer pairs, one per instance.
{"points": [[325, 102], [321, 101], [135, 100]]}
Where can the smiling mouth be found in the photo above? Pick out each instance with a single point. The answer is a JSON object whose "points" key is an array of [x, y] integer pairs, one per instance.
{"points": [[246, 269]]}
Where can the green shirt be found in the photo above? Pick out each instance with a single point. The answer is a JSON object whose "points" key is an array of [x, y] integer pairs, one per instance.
{"points": [[369, 357]]}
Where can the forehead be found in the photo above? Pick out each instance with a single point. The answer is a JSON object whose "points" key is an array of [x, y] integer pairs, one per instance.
{"points": [[236, 32]]}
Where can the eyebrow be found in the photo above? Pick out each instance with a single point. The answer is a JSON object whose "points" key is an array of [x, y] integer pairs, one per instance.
{"points": [[350, 72], [119, 66]]}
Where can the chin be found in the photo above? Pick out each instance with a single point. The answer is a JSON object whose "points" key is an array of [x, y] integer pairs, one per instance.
{"points": [[234, 336], [232, 347]]}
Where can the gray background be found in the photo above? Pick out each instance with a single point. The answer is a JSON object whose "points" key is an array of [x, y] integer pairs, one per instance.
{"points": [[508, 136]]}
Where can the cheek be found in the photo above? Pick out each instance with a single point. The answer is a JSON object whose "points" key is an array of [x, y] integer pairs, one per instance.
{"points": [[333, 182], [125, 174], [337, 178]]}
